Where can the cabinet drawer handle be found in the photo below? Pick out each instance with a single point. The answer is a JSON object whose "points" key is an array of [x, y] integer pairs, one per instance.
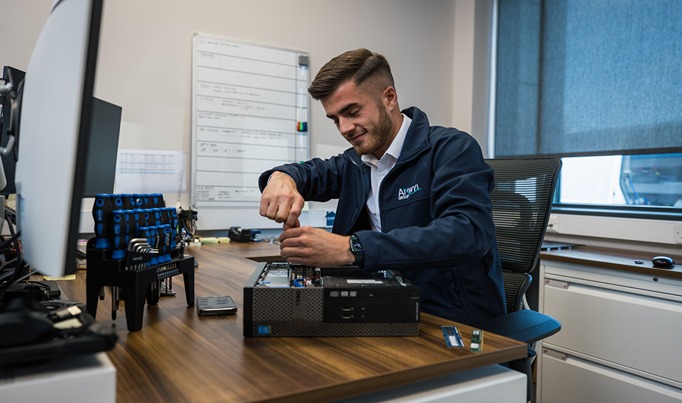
{"points": [[556, 283], [554, 354]]}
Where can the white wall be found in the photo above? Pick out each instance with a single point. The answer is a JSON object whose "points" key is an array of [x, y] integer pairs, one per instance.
{"points": [[439, 51], [145, 46], [144, 62], [472, 64]]}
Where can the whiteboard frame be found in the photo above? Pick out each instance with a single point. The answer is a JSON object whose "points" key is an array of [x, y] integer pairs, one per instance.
{"points": [[274, 117]]}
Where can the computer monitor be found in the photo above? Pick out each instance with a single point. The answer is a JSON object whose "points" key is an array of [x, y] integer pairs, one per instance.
{"points": [[100, 171], [55, 117], [10, 94], [105, 125]]}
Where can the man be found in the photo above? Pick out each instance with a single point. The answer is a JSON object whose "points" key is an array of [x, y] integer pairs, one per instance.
{"points": [[411, 197]]}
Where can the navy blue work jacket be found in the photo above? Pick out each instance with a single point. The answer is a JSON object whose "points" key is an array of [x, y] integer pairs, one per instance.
{"points": [[436, 217]]}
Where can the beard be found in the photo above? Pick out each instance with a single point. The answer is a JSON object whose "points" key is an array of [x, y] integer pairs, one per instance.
{"points": [[379, 136]]}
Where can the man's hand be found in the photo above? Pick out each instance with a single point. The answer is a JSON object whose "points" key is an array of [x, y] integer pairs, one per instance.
{"points": [[281, 201], [315, 247]]}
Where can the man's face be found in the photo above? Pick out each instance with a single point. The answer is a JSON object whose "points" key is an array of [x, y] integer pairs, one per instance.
{"points": [[361, 119]]}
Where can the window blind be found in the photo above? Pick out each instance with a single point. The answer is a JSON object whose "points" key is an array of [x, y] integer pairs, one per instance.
{"points": [[588, 77]]}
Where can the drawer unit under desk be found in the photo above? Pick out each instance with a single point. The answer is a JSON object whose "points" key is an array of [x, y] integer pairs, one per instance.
{"points": [[626, 321], [567, 379]]}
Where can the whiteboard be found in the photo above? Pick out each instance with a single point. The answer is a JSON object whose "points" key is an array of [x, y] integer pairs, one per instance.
{"points": [[250, 109]]}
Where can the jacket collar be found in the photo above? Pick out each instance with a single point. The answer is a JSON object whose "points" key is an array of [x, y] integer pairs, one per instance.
{"points": [[417, 139]]}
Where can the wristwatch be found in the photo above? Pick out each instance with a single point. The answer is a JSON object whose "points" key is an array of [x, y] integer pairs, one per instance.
{"points": [[357, 250]]}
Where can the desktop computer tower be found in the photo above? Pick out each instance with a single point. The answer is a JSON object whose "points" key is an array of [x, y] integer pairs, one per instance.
{"points": [[287, 300]]}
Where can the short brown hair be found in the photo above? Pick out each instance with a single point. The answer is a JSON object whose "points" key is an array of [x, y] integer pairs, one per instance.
{"points": [[358, 65]]}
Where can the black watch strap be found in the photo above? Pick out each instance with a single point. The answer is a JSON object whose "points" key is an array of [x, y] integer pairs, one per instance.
{"points": [[357, 250]]}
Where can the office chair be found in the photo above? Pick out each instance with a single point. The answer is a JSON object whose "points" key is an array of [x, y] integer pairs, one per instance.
{"points": [[522, 201]]}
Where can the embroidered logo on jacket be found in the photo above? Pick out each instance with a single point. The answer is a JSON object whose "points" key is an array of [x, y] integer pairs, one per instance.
{"points": [[404, 193]]}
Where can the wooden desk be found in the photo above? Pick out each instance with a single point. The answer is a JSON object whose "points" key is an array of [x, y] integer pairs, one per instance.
{"points": [[179, 356]]}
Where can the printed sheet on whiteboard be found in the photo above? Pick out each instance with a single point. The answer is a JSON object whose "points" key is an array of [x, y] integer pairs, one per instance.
{"points": [[249, 113]]}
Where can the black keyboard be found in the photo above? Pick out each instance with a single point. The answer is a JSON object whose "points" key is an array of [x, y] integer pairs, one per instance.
{"points": [[50, 330]]}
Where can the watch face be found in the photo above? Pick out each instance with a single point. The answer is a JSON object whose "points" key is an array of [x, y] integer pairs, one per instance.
{"points": [[355, 245]]}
